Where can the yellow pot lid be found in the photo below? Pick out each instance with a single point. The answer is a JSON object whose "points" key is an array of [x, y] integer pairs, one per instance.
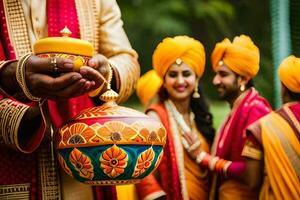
{"points": [[64, 44]]}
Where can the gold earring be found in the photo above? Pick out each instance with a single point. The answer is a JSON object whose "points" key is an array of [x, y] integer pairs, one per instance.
{"points": [[242, 88], [196, 93]]}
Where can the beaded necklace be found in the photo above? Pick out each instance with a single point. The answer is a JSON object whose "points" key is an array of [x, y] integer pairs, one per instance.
{"points": [[179, 118]]}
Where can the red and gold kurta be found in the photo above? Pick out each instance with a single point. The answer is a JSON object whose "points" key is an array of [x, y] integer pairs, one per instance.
{"points": [[29, 174]]}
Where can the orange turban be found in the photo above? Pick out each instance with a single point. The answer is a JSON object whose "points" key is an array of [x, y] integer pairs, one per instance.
{"points": [[289, 73], [189, 50], [147, 86], [241, 56]]}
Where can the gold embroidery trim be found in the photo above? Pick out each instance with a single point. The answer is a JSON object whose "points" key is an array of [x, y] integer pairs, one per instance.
{"points": [[15, 191], [16, 26], [88, 19], [11, 114], [48, 172], [20, 76]]}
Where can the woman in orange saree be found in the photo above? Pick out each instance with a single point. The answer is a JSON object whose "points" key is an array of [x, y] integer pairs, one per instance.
{"points": [[178, 65]]}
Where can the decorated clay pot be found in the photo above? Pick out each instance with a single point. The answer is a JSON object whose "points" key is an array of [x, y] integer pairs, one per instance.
{"points": [[77, 50], [103, 145], [110, 144]]}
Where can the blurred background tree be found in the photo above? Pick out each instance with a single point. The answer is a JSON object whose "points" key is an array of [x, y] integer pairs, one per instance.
{"points": [[147, 22]]}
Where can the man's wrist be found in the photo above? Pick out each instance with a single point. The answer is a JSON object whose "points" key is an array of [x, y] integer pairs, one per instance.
{"points": [[8, 81]]}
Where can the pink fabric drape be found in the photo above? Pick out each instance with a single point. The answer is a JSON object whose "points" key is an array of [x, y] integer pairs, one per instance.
{"points": [[250, 109]]}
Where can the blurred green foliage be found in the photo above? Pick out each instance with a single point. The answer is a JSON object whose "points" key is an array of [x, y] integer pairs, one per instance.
{"points": [[147, 22], [295, 24]]}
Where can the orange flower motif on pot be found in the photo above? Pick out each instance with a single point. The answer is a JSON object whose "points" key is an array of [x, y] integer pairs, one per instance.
{"points": [[113, 161], [150, 136], [150, 131], [82, 164], [162, 134], [78, 133], [144, 161], [64, 165], [116, 131], [96, 138]]}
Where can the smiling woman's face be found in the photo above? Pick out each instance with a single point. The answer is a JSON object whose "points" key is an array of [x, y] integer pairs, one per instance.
{"points": [[180, 81]]}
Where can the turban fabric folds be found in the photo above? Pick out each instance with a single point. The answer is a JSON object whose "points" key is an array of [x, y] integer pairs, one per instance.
{"points": [[189, 50], [241, 55], [289, 73], [147, 86]]}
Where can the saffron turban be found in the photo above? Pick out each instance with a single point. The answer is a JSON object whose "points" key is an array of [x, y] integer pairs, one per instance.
{"points": [[189, 50], [241, 55], [289, 73], [147, 86]]}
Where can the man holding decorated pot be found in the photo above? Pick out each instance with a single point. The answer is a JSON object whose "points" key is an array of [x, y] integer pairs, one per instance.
{"points": [[39, 94]]}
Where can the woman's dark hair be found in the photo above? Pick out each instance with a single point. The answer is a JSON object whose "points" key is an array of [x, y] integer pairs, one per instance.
{"points": [[203, 117], [250, 84]]}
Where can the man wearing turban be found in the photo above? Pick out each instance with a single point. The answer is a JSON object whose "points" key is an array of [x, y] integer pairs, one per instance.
{"points": [[178, 64], [235, 64], [276, 139]]}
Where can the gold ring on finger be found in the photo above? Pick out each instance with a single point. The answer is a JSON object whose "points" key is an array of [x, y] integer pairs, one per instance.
{"points": [[54, 64]]}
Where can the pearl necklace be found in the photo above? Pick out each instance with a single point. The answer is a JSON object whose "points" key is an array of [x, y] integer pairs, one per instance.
{"points": [[179, 118]]}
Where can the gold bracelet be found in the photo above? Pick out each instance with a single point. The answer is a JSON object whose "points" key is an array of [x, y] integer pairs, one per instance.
{"points": [[11, 116], [4, 104], [20, 76]]}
